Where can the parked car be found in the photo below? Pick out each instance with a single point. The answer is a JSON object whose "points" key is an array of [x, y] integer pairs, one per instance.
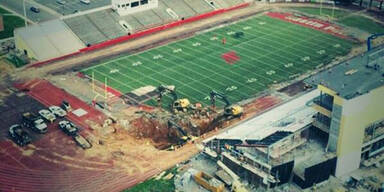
{"points": [[82, 142], [68, 128], [87, 2], [35, 9], [34, 122], [61, 2], [47, 115], [59, 112], [18, 135]]}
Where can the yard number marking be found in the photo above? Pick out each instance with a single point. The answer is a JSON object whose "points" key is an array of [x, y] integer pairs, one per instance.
{"points": [[158, 56], [307, 58], [247, 27], [137, 63], [262, 23], [251, 80], [271, 72], [337, 46], [288, 65], [321, 52], [113, 71], [231, 88], [214, 38], [230, 33], [177, 50], [196, 44]]}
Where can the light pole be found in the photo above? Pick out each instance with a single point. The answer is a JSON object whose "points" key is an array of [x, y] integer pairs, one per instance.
{"points": [[25, 14]]}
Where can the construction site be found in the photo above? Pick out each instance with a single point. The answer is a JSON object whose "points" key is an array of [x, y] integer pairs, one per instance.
{"points": [[192, 95]]}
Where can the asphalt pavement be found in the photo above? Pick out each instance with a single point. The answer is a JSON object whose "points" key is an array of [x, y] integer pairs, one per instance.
{"points": [[17, 6]]}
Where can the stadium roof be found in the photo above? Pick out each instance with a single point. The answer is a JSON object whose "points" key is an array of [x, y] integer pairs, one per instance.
{"points": [[354, 77], [49, 39]]}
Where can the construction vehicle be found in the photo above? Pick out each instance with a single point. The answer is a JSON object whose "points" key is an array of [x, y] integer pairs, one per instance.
{"points": [[230, 111], [178, 105], [208, 182], [183, 136]]}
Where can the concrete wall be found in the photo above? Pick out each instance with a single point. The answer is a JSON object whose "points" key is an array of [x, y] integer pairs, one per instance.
{"points": [[357, 114], [21, 45]]}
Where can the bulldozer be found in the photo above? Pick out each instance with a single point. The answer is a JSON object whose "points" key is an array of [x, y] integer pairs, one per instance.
{"points": [[178, 105], [230, 111]]}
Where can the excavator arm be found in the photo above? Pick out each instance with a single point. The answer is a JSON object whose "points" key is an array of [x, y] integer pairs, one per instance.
{"points": [[215, 95], [229, 110]]}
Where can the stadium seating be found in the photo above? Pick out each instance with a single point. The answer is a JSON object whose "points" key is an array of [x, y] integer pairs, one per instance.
{"points": [[85, 30], [104, 25], [104, 22], [148, 18], [180, 7], [199, 6]]}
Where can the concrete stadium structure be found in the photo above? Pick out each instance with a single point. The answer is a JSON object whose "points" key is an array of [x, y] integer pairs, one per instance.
{"points": [[330, 131], [350, 109]]}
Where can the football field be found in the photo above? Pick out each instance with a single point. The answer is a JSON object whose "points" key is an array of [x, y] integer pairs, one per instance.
{"points": [[239, 60]]}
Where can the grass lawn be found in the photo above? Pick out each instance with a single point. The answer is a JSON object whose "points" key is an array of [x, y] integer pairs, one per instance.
{"points": [[10, 23], [270, 51], [363, 23], [2, 11], [356, 21], [152, 185]]}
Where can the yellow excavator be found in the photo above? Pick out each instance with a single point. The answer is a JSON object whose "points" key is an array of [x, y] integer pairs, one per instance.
{"points": [[178, 105], [183, 136], [230, 111]]}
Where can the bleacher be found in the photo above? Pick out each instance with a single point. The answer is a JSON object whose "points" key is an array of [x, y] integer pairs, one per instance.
{"points": [[132, 21], [199, 6], [182, 9], [104, 25], [148, 18], [85, 30]]}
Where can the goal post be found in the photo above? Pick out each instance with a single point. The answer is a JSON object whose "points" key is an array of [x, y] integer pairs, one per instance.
{"points": [[100, 91], [325, 14]]}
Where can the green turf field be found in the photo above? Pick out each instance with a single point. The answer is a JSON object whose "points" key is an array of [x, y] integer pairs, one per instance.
{"points": [[270, 51], [324, 11], [348, 18]]}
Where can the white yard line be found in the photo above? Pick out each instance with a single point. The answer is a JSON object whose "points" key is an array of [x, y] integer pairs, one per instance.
{"points": [[257, 59]]}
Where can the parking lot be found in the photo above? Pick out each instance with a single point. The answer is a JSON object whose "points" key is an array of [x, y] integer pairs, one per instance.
{"points": [[17, 6], [10, 113]]}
